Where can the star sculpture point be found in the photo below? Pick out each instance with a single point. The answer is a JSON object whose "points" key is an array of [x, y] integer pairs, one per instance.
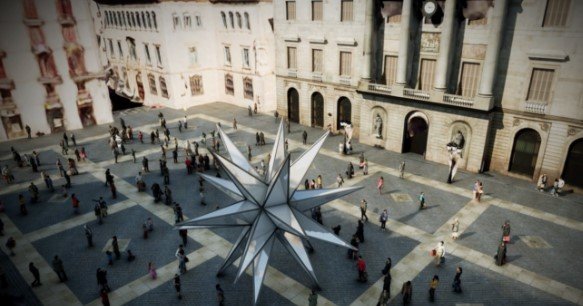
{"points": [[268, 208]]}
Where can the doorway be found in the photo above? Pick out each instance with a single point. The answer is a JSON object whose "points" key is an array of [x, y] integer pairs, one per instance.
{"points": [[415, 138], [525, 152], [344, 112], [293, 105], [317, 110], [574, 164]]}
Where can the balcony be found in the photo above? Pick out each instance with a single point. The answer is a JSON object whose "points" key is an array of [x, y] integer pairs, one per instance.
{"points": [[535, 107], [435, 97]]}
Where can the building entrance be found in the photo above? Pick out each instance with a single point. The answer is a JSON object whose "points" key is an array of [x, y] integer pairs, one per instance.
{"points": [[525, 152], [317, 110], [574, 164], [415, 138], [293, 105]]}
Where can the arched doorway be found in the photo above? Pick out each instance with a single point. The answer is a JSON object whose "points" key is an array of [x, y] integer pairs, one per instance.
{"points": [[525, 152], [317, 110], [574, 164], [415, 138], [293, 105], [344, 111]]}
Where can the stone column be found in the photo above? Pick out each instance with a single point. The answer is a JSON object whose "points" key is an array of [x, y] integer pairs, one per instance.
{"points": [[445, 43], [367, 43], [402, 60], [493, 50]]}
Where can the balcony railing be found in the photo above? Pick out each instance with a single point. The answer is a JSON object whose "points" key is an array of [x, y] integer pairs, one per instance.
{"points": [[380, 87], [458, 100], [344, 80], [414, 93], [535, 107]]}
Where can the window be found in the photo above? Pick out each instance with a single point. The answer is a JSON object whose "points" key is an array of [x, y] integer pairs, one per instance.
{"points": [[556, 13], [198, 21], [123, 20], [478, 22], [143, 20], [394, 19], [134, 23], [390, 69], [291, 58], [111, 48], [227, 56], [426, 74], [175, 21], [147, 53], [163, 88], [154, 20], [345, 64], [346, 11], [468, 86], [245, 57], [127, 14], [290, 10], [317, 10], [187, 21], [224, 19], [196, 85], [119, 49], [138, 19], [248, 88], [152, 82], [540, 85], [317, 58], [158, 56], [132, 48], [247, 24], [239, 21], [231, 20], [229, 86], [149, 20], [193, 56]]}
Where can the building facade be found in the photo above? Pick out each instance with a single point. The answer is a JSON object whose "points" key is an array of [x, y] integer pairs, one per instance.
{"points": [[50, 73], [181, 54], [411, 76]]}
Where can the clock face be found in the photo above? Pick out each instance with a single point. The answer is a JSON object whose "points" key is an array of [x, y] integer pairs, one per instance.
{"points": [[429, 7]]}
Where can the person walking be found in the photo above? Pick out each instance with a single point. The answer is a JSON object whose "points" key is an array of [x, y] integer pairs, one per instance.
{"points": [[407, 292], [177, 286], [109, 256], [421, 200], [28, 131], [22, 205], [98, 214], [363, 208], [249, 154], [455, 228], [152, 270], [319, 183], [183, 233], [59, 268], [10, 245], [457, 282], [506, 232], [220, 295], [75, 202], [439, 254], [388, 264], [115, 247], [380, 184], [104, 297], [383, 299], [73, 140], [387, 284], [501, 254], [102, 279], [432, 287], [360, 231], [249, 110], [383, 220], [361, 267], [313, 298], [305, 137], [35, 272], [33, 192], [402, 169], [88, 235], [234, 123], [365, 167]]}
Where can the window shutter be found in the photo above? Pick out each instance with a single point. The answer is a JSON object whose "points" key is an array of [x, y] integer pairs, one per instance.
{"points": [[427, 73], [390, 69], [556, 13], [469, 79], [540, 85], [317, 60], [346, 10], [317, 10]]}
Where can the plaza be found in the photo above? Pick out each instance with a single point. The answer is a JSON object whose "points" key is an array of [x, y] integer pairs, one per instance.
{"points": [[542, 267]]}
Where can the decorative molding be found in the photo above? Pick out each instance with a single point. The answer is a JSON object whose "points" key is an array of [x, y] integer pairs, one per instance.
{"points": [[317, 40], [291, 38], [516, 122], [346, 41], [548, 55], [572, 131], [544, 126]]}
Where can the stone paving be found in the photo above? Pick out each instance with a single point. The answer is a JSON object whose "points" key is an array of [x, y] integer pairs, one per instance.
{"points": [[542, 268]]}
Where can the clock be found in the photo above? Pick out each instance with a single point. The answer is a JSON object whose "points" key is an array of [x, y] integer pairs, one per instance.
{"points": [[429, 8]]}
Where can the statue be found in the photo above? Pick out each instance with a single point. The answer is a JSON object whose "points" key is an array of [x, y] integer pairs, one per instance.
{"points": [[454, 148], [378, 126], [457, 141]]}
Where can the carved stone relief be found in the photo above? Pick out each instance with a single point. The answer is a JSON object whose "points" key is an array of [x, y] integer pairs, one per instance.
{"points": [[430, 42]]}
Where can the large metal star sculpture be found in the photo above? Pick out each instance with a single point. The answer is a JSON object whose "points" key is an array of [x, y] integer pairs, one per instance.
{"points": [[269, 208]]}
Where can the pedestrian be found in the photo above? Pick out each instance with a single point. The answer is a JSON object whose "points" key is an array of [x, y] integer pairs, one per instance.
{"points": [[365, 167], [74, 140], [506, 232], [235, 123], [177, 286], [305, 137], [141, 137], [22, 205], [35, 272], [109, 255], [175, 156], [88, 235], [455, 227], [83, 154], [432, 287], [353, 253], [380, 184], [360, 231], [178, 216], [407, 292], [475, 190], [480, 191], [402, 169], [75, 202], [36, 157], [10, 245], [102, 279], [257, 139], [319, 183], [131, 256], [98, 214], [363, 208], [384, 298], [77, 154], [104, 297], [33, 192], [313, 298], [115, 247], [183, 233], [542, 182], [108, 177], [65, 139], [59, 268], [115, 154], [249, 155], [134, 155], [501, 254], [276, 115], [350, 170], [339, 180], [383, 220], [255, 107], [145, 166], [113, 190], [457, 282], [421, 201], [167, 195], [361, 267], [185, 123], [439, 252], [262, 136], [249, 110], [152, 270], [67, 180], [387, 269], [179, 126], [28, 131], [220, 295]]}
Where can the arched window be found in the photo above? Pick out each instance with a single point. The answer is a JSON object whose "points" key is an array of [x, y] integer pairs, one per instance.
{"points": [[224, 17], [163, 88], [525, 152], [152, 83], [154, 20], [239, 22], [231, 20], [247, 24]]}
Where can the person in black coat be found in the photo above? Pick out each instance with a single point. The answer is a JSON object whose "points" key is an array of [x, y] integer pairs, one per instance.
{"points": [[360, 231]]}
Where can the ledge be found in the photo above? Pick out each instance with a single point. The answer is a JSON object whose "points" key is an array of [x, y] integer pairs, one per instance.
{"points": [[291, 38], [548, 55], [317, 40], [346, 41]]}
